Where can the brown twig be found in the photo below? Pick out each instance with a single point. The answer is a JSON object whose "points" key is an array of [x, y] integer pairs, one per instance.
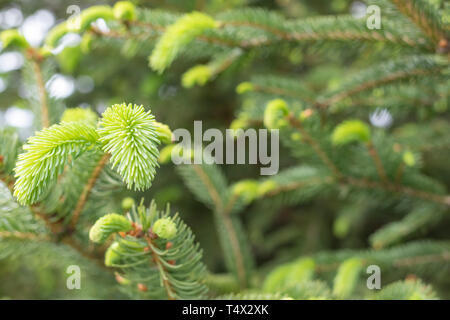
{"points": [[420, 19], [378, 164], [88, 189]]}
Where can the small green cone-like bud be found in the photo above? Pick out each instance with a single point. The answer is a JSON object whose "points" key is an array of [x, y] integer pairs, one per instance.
{"points": [[351, 131], [13, 38], [409, 159], [127, 203], [198, 75], [275, 113], [165, 228], [244, 87], [112, 255], [124, 10], [164, 132], [247, 190], [107, 225]]}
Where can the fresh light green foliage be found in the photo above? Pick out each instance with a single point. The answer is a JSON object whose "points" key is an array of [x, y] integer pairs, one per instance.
{"points": [[111, 254], [164, 132], [266, 187], [127, 203], [127, 132], [347, 277], [157, 267], [45, 156], [78, 23], [165, 154], [244, 87], [409, 158], [13, 38], [197, 75], [130, 135], [124, 10], [276, 111], [410, 289], [309, 290], [279, 65], [177, 36], [80, 114], [107, 225], [351, 131], [289, 275], [246, 189], [164, 228]]}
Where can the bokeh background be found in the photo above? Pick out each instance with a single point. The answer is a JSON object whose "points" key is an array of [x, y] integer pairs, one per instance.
{"points": [[107, 76]]}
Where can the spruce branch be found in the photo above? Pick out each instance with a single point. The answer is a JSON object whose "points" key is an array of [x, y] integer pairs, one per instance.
{"points": [[46, 155], [424, 16], [42, 94], [130, 135], [383, 74], [209, 186], [315, 145], [224, 217], [88, 188], [159, 264], [412, 254], [36, 60]]}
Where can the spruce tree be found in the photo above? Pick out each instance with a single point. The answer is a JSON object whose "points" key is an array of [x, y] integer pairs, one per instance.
{"points": [[361, 107]]}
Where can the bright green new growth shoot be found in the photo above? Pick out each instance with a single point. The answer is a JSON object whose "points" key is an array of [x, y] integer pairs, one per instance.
{"points": [[13, 38], [107, 225], [45, 156], [80, 114], [275, 113], [351, 131], [177, 36], [164, 228], [347, 277], [129, 134]]}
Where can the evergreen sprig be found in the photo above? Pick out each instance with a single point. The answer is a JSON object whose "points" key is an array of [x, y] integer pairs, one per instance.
{"points": [[45, 156], [154, 266], [129, 134]]}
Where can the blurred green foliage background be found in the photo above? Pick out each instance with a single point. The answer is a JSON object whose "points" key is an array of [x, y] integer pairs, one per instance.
{"points": [[107, 76]]}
